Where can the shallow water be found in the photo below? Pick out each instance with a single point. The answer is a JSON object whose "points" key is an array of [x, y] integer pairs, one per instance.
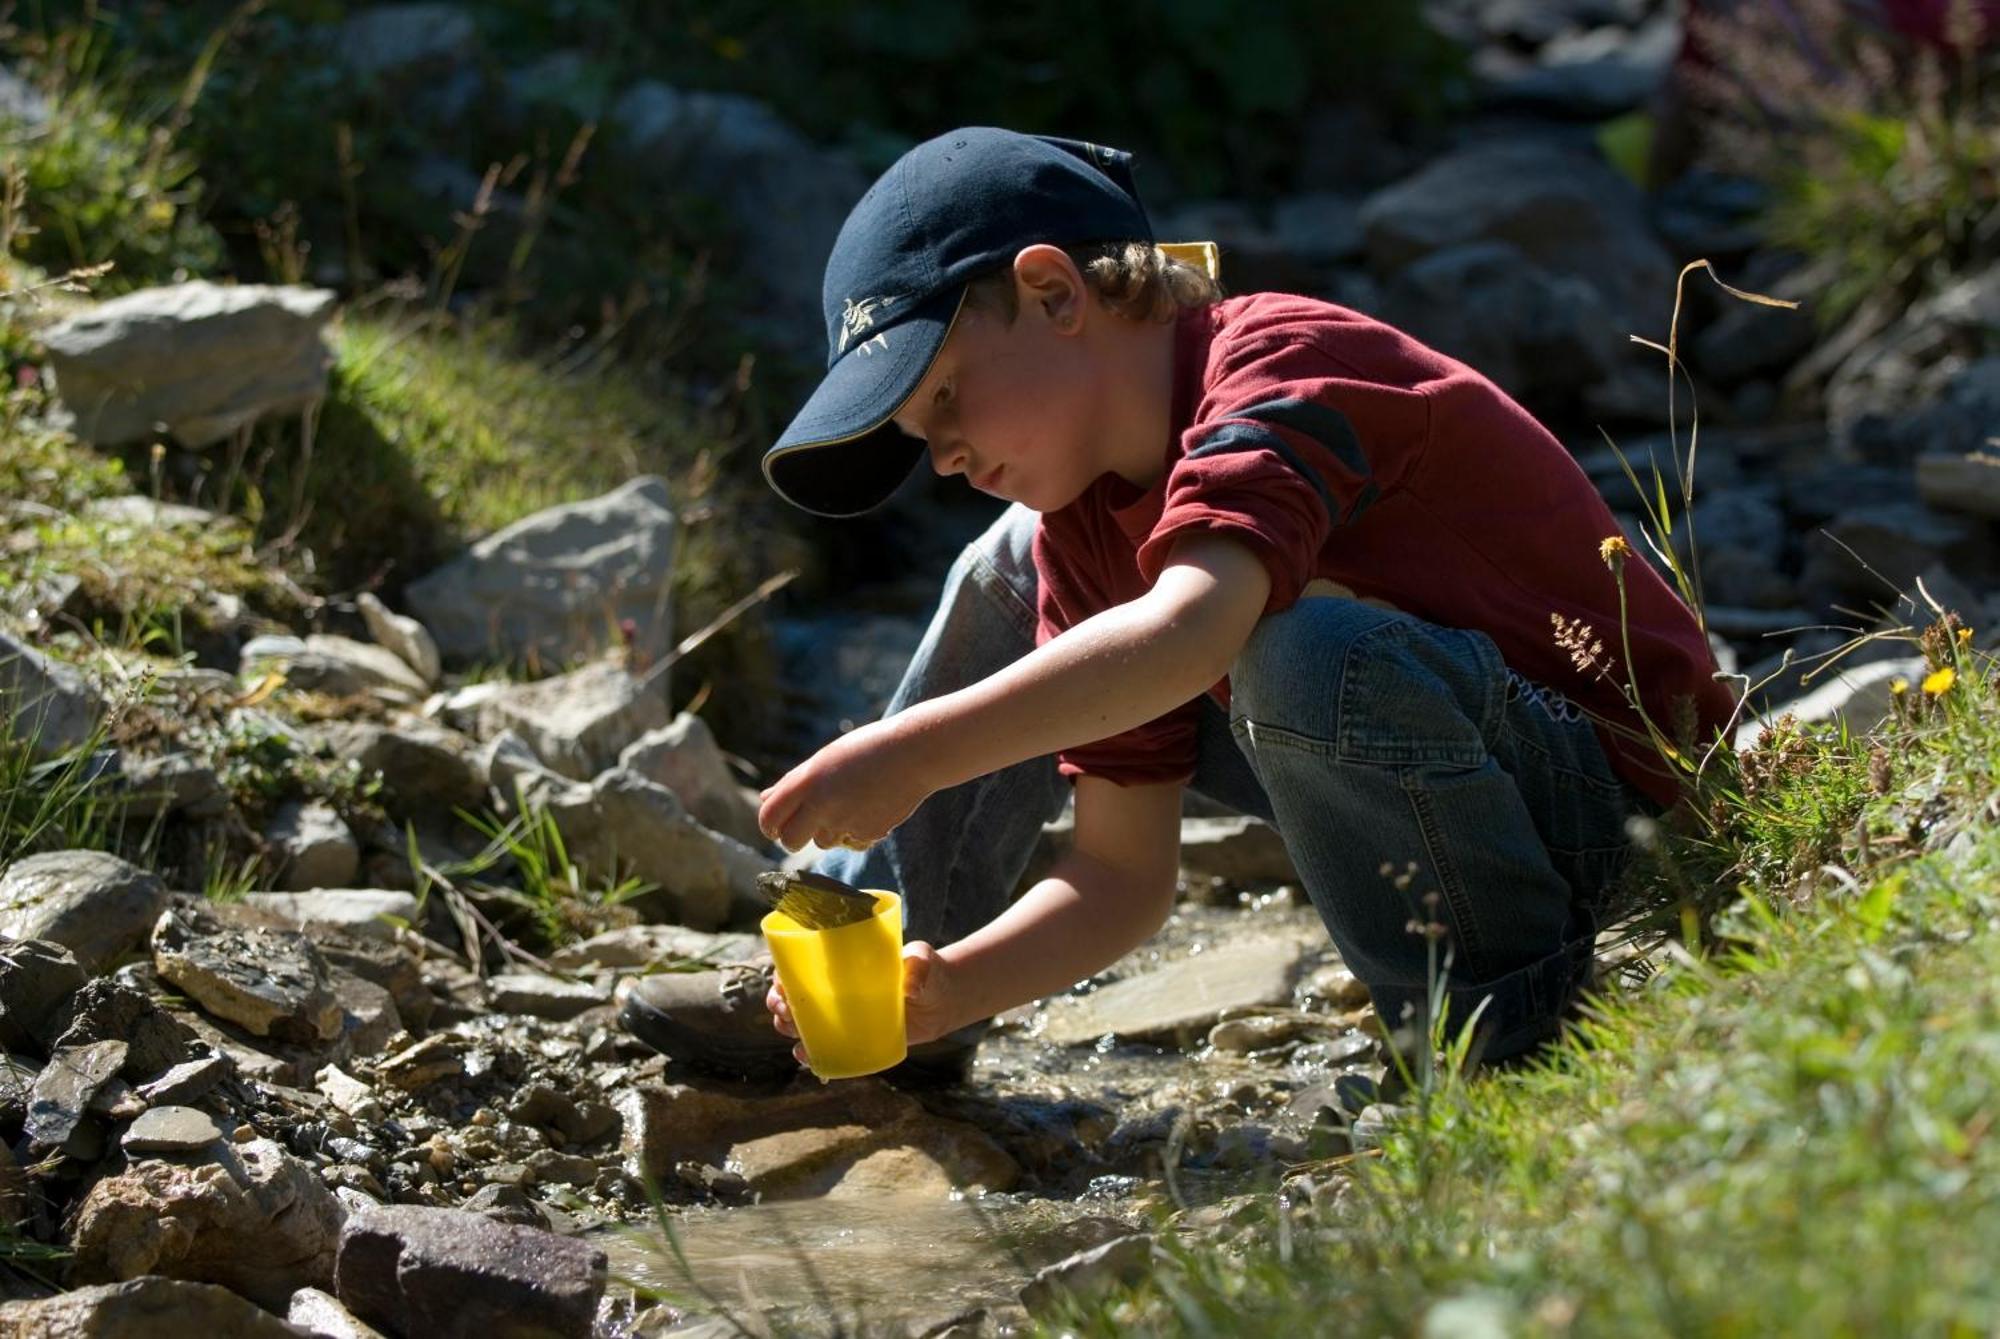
{"points": [[853, 1258]]}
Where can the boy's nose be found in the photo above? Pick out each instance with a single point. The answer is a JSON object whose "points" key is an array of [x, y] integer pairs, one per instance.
{"points": [[948, 457]]}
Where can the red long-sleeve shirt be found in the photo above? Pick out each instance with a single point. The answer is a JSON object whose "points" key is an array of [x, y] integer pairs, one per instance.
{"points": [[1335, 446]]}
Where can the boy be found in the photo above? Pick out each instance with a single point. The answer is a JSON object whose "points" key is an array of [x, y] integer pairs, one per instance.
{"points": [[1284, 554]]}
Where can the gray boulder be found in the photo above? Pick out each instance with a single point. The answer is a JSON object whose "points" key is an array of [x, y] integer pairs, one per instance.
{"points": [[421, 763], [786, 196], [414, 1270], [1565, 208], [92, 903], [1592, 74], [43, 702], [199, 360], [579, 723], [558, 584], [621, 823], [37, 979], [684, 757]]}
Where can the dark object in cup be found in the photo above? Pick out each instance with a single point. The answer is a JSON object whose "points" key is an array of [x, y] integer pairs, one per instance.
{"points": [[815, 901]]}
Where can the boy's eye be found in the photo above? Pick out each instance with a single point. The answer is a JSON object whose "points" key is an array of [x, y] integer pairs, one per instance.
{"points": [[943, 395]]}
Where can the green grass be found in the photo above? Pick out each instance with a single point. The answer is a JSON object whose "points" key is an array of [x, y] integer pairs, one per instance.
{"points": [[1787, 1134]]}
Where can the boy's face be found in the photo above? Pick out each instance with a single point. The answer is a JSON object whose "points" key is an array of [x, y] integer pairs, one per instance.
{"points": [[1012, 406]]}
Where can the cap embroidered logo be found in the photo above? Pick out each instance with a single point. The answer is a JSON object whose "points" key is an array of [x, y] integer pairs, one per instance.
{"points": [[855, 317]]}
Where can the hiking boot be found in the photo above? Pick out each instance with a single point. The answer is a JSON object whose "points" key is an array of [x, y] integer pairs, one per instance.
{"points": [[942, 1063], [714, 1021]]}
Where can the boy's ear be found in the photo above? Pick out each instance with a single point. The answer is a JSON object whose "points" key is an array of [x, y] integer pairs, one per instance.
{"points": [[1047, 278]]}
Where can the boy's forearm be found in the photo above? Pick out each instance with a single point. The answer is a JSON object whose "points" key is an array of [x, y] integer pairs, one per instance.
{"points": [[1073, 924], [1116, 670]]}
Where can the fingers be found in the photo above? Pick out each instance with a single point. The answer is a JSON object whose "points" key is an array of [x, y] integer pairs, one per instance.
{"points": [[781, 1011]]}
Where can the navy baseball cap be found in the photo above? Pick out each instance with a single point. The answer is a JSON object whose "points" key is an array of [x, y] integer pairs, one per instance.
{"points": [[945, 213]]}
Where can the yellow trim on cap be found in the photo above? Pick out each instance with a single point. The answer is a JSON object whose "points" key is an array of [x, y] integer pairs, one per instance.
{"points": [[1204, 256]]}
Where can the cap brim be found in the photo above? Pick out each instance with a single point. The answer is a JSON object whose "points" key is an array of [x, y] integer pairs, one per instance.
{"points": [[842, 456]]}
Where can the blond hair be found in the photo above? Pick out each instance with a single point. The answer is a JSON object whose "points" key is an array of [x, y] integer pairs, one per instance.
{"points": [[1136, 280]]}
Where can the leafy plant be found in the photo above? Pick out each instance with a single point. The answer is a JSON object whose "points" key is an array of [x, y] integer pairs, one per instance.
{"points": [[1883, 153], [562, 900]]}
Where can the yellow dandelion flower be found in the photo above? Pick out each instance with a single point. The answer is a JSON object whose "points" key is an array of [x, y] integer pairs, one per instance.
{"points": [[1936, 684], [1898, 687], [1613, 550]]}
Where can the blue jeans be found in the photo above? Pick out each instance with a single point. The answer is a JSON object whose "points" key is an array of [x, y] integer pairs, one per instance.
{"points": [[1373, 741]]}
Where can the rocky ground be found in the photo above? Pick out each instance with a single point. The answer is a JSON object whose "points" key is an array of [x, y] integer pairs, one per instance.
{"points": [[323, 1026]]}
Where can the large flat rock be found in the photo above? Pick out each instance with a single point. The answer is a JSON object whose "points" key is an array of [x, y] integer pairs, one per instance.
{"points": [[1183, 996]]}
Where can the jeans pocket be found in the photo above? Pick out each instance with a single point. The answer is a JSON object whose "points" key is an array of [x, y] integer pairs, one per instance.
{"points": [[1412, 694]]}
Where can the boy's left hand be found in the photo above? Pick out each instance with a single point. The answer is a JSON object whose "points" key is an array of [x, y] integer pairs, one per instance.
{"points": [[850, 793]]}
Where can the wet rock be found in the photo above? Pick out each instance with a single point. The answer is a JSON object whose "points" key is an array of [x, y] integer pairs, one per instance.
{"points": [[46, 704], [422, 763], [311, 846], [109, 1009], [1338, 986], [644, 946], [65, 1087], [560, 582], [189, 1080], [249, 1216], [444, 1272], [333, 665], [1189, 995], [1090, 1274], [93, 904], [37, 978], [409, 639], [543, 996], [577, 724], [171, 1129], [321, 1315], [1264, 1032], [271, 983], [203, 359], [683, 757], [1240, 850], [369, 912], [854, 1138], [144, 1308]]}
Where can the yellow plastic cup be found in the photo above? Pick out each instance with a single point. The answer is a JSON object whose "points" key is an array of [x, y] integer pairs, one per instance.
{"points": [[845, 987]]}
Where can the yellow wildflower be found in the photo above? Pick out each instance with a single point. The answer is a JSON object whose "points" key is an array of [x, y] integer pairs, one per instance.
{"points": [[1965, 636], [1898, 687], [1614, 550], [1936, 684]]}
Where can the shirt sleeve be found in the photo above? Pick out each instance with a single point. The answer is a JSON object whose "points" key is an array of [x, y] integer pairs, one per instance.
{"points": [[1278, 468], [1160, 751]]}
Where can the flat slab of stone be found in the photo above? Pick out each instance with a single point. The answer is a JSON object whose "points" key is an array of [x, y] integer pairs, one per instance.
{"points": [[654, 945], [171, 1130], [413, 1270], [1187, 995], [271, 983], [63, 1089], [92, 903], [144, 1308]]}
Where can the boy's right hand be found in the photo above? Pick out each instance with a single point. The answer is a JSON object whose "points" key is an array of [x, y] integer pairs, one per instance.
{"points": [[928, 1012]]}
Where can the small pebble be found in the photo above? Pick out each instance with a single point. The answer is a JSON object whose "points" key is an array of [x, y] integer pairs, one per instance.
{"points": [[243, 1134], [485, 1117]]}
